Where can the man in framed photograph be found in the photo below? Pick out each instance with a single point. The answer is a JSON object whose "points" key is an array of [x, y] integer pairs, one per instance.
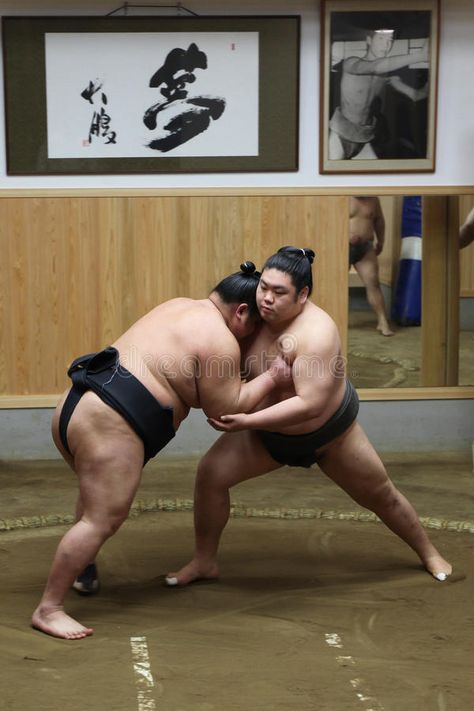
{"points": [[358, 123]]}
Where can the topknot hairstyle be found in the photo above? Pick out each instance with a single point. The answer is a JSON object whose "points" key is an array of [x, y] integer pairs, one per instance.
{"points": [[240, 287], [296, 262], [249, 268]]}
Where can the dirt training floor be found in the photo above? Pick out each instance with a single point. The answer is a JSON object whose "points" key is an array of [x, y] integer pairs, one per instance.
{"points": [[318, 608]]}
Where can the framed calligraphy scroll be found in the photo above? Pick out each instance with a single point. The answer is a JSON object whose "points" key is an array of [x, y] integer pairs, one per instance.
{"points": [[379, 73], [155, 94]]}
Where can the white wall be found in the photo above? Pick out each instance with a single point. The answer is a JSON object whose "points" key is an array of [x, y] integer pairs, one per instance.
{"points": [[455, 141]]}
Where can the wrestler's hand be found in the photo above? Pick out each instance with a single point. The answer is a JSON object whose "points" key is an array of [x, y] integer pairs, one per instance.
{"points": [[280, 370], [229, 423]]}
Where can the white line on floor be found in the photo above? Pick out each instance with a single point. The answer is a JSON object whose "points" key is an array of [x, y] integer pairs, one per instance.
{"points": [[358, 684], [143, 676]]}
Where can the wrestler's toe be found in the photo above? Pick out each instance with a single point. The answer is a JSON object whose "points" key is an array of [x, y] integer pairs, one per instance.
{"points": [[171, 580]]}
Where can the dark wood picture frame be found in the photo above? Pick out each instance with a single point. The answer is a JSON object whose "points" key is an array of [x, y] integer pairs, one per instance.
{"points": [[25, 95], [377, 118]]}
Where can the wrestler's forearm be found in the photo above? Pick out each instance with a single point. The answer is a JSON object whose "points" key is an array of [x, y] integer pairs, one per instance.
{"points": [[284, 414], [253, 392]]}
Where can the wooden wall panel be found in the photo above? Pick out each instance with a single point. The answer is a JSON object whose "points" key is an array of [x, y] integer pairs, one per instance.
{"points": [[77, 271], [332, 255], [440, 305], [452, 292], [433, 332]]}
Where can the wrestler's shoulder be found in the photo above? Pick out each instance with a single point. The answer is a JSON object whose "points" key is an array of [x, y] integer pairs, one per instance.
{"points": [[180, 302], [313, 313], [186, 308], [312, 328]]}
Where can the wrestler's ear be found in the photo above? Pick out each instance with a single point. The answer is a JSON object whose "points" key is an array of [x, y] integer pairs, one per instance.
{"points": [[242, 310], [303, 295]]}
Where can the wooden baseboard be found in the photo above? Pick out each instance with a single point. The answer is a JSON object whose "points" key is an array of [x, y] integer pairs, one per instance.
{"points": [[442, 393], [17, 402], [27, 402]]}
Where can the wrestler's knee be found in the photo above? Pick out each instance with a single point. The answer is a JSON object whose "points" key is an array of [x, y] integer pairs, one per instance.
{"points": [[381, 497], [209, 472], [114, 520], [106, 523], [218, 472]]}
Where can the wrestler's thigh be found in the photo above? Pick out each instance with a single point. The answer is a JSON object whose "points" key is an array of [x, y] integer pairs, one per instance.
{"points": [[354, 465], [108, 482], [108, 456], [368, 267], [235, 457]]}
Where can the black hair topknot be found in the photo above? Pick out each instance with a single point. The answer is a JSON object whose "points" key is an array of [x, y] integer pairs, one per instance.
{"points": [[299, 251], [248, 267], [240, 287]]}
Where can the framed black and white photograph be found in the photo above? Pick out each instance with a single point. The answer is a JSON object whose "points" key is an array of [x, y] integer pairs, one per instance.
{"points": [[151, 94], [379, 73]]}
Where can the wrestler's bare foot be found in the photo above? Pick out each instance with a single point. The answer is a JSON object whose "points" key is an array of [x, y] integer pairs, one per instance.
{"points": [[438, 567], [385, 330], [193, 572], [58, 624]]}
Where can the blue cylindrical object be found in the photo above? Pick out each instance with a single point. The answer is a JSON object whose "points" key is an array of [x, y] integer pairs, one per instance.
{"points": [[406, 308]]}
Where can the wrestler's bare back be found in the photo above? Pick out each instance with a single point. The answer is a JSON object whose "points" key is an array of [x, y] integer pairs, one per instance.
{"points": [[362, 214], [167, 350], [301, 340]]}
